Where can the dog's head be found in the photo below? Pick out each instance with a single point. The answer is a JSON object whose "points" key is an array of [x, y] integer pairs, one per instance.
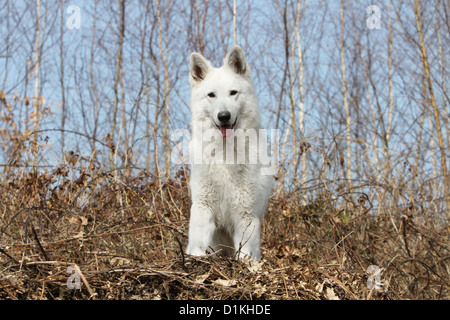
{"points": [[220, 94]]}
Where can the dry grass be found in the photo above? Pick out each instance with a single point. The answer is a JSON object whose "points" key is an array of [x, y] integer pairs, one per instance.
{"points": [[127, 237]]}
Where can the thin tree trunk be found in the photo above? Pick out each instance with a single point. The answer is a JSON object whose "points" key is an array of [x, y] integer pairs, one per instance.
{"points": [[292, 120], [158, 102], [93, 84], [222, 35], [374, 116], [283, 13], [61, 72], [419, 137], [301, 120], [441, 64], [37, 99], [345, 100], [433, 103], [163, 52], [117, 81], [127, 153], [387, 168], [234, 22]]}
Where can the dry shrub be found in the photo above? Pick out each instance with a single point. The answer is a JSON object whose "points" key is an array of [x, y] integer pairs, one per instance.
{"points": [[127, 237]]}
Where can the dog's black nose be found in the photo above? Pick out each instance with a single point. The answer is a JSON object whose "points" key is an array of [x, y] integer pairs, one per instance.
{"points": [[224, 116]]}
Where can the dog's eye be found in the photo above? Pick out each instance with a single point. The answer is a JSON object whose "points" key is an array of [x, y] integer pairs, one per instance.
{"points": [[233, 92], [211, 95]]}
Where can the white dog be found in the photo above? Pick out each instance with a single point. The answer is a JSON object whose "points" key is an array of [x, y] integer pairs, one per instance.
{"points": [[229, 192]]}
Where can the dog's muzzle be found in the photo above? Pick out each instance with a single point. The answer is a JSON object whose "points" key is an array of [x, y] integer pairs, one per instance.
{"points": [[224, 127]]}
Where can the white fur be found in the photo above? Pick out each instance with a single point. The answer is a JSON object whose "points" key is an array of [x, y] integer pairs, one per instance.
{"points": [[228, 200]]}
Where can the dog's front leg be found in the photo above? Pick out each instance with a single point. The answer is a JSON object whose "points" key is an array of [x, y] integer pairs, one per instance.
{"points": [[201, 230], [247, 237]]}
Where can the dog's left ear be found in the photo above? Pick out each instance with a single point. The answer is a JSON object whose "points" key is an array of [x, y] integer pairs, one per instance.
{"points": [[199, 68], [235, 60]]}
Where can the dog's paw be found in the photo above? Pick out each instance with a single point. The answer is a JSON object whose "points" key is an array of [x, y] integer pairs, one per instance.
{"points": [[196, 252]]}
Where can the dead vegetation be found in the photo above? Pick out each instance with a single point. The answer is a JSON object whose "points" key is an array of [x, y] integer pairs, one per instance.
{"points": [[126, 237]]}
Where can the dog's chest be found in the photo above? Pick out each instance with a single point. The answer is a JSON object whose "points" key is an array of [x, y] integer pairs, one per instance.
{"points": [[225, 180]]}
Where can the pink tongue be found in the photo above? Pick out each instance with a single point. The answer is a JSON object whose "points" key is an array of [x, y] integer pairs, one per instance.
{"points": [[225, 131]]}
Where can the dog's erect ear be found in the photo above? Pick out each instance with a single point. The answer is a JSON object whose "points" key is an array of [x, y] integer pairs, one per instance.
{"points": [[199, 68], [235, 60]]}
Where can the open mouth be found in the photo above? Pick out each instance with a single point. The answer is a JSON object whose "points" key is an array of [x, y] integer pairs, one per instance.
{"points": [[225, 130]]}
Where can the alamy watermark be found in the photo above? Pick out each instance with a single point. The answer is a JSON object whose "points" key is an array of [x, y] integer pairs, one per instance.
{"points": [[74, 281], [374, 279], [74, 20], [247, 146], [374, 20]]}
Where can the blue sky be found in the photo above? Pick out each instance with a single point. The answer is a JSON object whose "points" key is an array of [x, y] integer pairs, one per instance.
{"points": [[260, 33]]}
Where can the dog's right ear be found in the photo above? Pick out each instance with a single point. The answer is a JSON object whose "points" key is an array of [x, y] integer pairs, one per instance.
{"points": [[199, 68], [236, 61]]}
